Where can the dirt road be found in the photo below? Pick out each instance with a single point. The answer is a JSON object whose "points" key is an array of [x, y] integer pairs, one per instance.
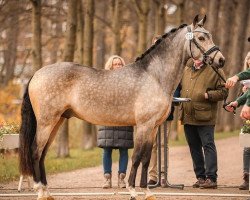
{"points": [[180, 172]]}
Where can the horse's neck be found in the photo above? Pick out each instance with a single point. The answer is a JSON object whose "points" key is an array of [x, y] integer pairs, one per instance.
{"points": [[168, 67]]}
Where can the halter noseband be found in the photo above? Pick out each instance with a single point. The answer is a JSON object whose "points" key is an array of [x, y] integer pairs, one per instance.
{"points": [[206, 58]]}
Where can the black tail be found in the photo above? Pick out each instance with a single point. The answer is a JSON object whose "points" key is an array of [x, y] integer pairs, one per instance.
{"points": [[27, 135]]}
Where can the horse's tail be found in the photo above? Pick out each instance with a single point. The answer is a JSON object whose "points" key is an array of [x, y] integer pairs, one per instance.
{"points": [[27, 135]]}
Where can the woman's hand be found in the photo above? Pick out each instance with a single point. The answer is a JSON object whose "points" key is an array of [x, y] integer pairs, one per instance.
{"points": [[231, 81], [231, 107]]}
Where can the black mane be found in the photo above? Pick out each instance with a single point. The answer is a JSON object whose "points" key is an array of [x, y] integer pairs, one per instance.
{"points": [[159, 41]]}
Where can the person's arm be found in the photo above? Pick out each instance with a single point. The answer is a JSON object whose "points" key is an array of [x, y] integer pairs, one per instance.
{"points": [[244, 75], [242, 99], [248, 98], [220, 92], [238, 77]]}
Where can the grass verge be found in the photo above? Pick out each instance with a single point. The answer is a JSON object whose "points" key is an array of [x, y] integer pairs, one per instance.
{"points": [[78, 159]]}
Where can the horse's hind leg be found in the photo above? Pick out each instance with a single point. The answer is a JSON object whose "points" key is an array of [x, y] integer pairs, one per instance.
{"points": [[142, 152], [42, 166], [42, 137]]}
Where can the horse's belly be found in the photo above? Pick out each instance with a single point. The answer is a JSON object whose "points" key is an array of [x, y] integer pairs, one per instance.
{"points": [[109, 117]]}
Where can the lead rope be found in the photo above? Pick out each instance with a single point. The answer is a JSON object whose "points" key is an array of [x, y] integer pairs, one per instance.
{"points": [[225, 99]]}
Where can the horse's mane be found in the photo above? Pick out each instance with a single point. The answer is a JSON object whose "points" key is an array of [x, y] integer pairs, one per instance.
{"points": [[159, 41]]}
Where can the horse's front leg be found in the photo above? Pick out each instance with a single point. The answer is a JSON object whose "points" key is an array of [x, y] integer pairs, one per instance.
{"points": [[145, 163], [142, 152]]}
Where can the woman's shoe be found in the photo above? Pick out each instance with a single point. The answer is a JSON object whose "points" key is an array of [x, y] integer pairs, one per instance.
{"points": [[121, 181], [107, 184]]}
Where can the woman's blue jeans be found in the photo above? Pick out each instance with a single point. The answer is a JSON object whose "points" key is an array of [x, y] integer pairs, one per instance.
{"points": [[107, 160]]}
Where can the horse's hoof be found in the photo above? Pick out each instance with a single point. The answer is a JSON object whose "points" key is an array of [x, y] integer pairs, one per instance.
{"points": [[42, 198], [46, 198], [50, 198], [151, 198]]}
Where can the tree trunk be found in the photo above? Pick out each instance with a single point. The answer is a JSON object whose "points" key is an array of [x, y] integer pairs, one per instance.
{"points": [[89, 138], [225, 20], [63, 141], [142, 10], [213, 14], [160, 17], [37, 33], [116, 28], [235, 62], [79, 33], [100, 35], [11, 38]]}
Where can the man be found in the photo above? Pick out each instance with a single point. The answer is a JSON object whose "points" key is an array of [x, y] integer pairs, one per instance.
{"points": [[153, 175], [205, 88]]}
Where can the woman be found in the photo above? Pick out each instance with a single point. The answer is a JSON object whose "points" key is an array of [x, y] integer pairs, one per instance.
{"points": [[238, 102], [117, 137]]}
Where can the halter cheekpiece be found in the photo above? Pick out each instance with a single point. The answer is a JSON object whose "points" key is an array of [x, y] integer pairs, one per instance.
{"points": [[206, 58]]}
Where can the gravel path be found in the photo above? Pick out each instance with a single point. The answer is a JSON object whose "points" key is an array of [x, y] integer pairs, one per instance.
{"points": [[180, 172]]}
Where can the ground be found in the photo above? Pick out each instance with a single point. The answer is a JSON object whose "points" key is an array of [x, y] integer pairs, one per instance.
{"points": [[180, 172]]}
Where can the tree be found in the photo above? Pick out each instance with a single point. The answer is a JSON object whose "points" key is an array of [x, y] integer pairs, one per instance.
{"points": [[12, 33], [89, 139], [100, 34], [37, 33], [63, 141], [79, 33], [235, 58], [116, 27], [142, 10], [160, 17]]}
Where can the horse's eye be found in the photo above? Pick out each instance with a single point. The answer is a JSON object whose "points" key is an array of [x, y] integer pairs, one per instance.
{"points": [[201, 38]]}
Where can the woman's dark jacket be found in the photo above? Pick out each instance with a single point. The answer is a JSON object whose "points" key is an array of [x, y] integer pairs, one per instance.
{"points": [[115, 137]]}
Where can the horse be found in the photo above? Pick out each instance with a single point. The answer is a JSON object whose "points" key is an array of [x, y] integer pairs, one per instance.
{"points": [[139, 94]]}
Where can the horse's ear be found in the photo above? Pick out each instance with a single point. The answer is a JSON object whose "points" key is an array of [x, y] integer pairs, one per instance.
{"points": [[202, 22], [195, 20]]}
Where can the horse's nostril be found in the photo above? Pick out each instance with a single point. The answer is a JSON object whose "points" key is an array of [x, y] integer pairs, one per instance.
{"points": [[221, 62]]}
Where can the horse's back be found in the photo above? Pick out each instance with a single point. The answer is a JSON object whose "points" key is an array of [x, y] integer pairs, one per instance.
{"points": [[91, 93]]}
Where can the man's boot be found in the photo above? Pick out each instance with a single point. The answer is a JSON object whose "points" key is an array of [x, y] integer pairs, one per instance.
{"points": [[121, 182], [107, 184], [245, 184]]}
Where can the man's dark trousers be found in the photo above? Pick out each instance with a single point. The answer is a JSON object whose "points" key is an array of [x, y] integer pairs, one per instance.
{"points": [[198, 137]]}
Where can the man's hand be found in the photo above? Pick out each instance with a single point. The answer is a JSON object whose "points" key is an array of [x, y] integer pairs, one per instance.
{"points": [[231, 81], [245, 112], [230, 107]]}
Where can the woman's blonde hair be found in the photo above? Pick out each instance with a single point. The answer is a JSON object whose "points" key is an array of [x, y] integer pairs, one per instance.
{"points": [[108, 65], [246, 65]]}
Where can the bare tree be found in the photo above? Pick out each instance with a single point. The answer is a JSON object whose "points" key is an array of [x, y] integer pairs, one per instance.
{"points": [[160, 17], [100, 34], [12, 33], [116, 27], [142, 10], [79, 44], [69, 49], [235, 58], [89, 139], [37, 34], [213, 14]]}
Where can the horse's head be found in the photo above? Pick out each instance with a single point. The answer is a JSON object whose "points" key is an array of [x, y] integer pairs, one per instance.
{"points": [[201, 46]]}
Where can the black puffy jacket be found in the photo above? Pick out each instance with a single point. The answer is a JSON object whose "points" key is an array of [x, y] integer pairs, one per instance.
{"points": [[115, 137]]}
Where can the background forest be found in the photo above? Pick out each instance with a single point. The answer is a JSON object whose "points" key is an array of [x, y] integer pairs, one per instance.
{"points": [[35, 33]]}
